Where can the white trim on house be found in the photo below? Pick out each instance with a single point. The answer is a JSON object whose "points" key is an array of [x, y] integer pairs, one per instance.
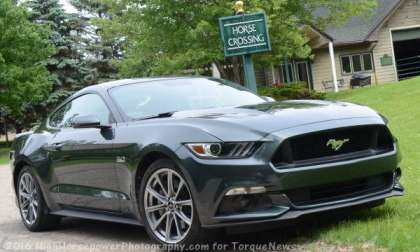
{"points": [[333, 66], [393, 55], [215, 71], [392, 44], [273, 74]]}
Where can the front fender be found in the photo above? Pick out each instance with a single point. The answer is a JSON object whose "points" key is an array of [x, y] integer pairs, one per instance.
{"points": [[136, 143]]}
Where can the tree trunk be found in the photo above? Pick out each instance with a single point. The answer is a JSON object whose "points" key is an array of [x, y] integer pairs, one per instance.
{"points": [[221, 69], [18, 128], [5, 131], [236, 62]]}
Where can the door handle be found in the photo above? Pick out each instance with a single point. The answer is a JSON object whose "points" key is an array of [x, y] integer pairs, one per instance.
{"points": [[56, 146]]}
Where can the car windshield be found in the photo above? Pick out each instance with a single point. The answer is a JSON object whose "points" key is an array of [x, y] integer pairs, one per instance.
{"points": [[143, 100]]}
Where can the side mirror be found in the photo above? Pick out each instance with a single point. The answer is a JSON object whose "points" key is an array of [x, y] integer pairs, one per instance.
{"points": [[268, 99], [89, 121]]}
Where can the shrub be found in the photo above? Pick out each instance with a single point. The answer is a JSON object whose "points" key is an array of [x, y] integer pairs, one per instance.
{"points": [[293, 91]]}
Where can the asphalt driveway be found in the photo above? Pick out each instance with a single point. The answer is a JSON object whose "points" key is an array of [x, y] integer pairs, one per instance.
{"points": [[74, 235]]}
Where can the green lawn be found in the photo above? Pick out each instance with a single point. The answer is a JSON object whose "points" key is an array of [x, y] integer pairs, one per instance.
{"points": [[396, 225], [4, 155]]}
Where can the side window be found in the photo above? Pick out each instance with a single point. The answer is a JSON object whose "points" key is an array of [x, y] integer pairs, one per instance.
{"points": [[346, 64], [357, 64], [57, 118], [89, 104], [367, 62]]}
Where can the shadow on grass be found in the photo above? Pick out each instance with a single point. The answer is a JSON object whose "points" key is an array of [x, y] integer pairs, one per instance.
{"points": [[100, 231], [303, 231], [308, 229]]}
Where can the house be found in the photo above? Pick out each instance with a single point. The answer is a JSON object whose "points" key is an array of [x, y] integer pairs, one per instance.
{"points": [[384, 46]]}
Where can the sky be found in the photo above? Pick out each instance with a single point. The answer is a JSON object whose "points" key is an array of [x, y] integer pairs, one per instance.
{"points": [[67, 6]]}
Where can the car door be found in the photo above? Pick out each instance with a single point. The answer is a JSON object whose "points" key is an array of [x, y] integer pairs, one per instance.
{"points": [[82, 159]]}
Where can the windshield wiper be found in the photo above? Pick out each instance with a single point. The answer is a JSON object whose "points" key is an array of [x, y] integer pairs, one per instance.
{"points": [[160, 115]]}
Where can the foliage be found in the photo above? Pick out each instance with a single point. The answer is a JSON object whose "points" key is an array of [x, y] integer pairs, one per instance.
{"points": [[102, 52], [165, 37], [291, 91], [68, 67], [22, 46], [158, 37], [98, 8]]}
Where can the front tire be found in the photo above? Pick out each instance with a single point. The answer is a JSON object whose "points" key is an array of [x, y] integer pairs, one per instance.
{"points": [[167, 206], [33, 210]]}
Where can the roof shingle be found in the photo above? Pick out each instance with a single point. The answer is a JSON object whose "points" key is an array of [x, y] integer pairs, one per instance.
{"points": [[358, 29]]}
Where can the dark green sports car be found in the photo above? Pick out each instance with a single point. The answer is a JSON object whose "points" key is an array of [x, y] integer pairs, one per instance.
{"points": [[185, 156]]}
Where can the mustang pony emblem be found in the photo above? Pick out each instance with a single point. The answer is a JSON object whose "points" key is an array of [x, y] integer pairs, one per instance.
{"points": [[337, 144]]}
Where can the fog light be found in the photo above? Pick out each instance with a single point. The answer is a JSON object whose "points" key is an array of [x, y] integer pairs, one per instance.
{"points": [[241, 204], [398, 174], [246, 190], [397, 177]]}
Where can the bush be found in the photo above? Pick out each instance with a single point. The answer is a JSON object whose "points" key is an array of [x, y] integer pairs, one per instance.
{"points": [[4, 144], [294, 91]]}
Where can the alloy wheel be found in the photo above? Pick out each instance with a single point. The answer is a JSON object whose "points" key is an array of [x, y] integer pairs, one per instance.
{"points": [[28, 199], [168, 206]]}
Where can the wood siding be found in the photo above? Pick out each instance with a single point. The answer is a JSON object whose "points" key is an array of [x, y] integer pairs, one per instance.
{"points": [[321, 65], [408, 15]]}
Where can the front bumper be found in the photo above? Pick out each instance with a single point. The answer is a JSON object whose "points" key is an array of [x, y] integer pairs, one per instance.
{"points": [[290, 213], [212, 179]]}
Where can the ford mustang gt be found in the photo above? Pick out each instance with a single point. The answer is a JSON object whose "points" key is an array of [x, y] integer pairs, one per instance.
{"points": [[181, 156]]}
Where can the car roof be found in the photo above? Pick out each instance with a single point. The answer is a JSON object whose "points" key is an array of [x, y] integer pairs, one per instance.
{"points": [[103, 87], [117, 83]]}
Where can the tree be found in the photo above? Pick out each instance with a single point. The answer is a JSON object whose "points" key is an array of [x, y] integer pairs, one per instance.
{"points": [[68, 65], [96, 8], [166, 37], [68, 68], [101, 52], [23, 45]]}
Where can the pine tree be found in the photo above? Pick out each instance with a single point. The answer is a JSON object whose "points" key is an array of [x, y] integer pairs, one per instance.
{"points": [[97, 8], [68, 68], [102, 52]]}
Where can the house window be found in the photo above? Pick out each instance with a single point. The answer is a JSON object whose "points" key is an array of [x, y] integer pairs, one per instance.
{"points": [[356, 63], [297, 71], [287, 74], [367, 62], [346, 64]]}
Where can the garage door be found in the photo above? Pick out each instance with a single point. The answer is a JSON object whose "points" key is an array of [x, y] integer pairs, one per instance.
{"points": [[407, 52]]}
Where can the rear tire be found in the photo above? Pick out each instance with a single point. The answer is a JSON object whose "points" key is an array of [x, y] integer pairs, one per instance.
{"points": [[33, 210], [160, 204]]}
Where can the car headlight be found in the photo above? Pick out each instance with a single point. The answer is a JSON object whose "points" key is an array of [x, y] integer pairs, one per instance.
{"points": [[223, 150]]}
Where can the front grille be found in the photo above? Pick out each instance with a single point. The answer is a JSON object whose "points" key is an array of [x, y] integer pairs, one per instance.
{"points": [[340, 191], [318, 148]]}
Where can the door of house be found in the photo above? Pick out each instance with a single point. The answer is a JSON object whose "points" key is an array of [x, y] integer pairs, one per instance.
{"points": [[302, 71], [296, 71], [407, 52]]}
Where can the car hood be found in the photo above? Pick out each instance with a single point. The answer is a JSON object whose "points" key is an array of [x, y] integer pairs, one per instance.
{"points": [[256, 121]]}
